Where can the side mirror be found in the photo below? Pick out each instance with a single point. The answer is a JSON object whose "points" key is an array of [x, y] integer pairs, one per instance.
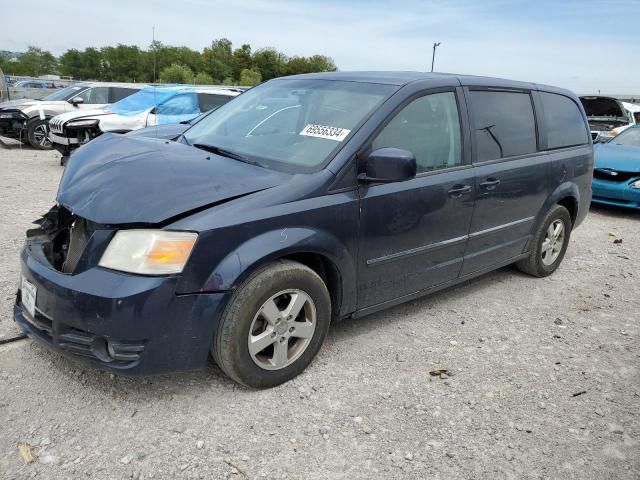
{"points": [[75, 101], [389, 165]]}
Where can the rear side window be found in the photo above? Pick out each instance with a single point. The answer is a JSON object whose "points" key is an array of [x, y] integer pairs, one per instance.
{"points": [[504, 124], [118, 93], [209, 101], [563, 120]]}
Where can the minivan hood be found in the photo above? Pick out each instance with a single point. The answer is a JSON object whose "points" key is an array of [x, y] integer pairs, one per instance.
{"points": [[118, 179], [617, 157]]}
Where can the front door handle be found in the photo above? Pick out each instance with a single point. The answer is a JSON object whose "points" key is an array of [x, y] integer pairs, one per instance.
{"points": [[490, 183], [459, 190]]}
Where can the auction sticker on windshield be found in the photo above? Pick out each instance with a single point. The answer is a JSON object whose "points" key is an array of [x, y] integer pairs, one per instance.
{"points": [[321, 131], [28, 296]]}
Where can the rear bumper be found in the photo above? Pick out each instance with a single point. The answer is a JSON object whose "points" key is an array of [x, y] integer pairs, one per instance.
{"points": [[619, 194], [148, 328]]}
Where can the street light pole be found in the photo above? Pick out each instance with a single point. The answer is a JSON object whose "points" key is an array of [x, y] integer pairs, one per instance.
{"points": [[433, 58]]}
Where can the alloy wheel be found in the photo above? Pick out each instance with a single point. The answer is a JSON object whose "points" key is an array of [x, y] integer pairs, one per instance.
{"points": [[553, 242], [282, 329], [41, 135]]}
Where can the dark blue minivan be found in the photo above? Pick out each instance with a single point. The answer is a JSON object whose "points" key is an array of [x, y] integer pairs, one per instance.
{"points": [[305, 200]]}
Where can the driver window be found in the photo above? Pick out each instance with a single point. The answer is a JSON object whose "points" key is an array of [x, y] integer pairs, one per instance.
{"points": [[428, 127], [184, 104]]}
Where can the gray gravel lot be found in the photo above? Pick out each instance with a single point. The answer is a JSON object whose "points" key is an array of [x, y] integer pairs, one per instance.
{"points": [[544, 381]]}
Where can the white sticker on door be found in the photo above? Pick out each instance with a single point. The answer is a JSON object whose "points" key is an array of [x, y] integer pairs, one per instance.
{"points": [[321, 131]]}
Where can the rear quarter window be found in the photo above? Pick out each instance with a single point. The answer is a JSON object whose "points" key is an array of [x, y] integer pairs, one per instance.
{"points": [[209, 101], [504, 124], [563, 120], [118, 93]]}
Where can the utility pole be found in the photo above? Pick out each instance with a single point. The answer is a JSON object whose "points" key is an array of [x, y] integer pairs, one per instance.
{"points": [[153, 42], [433, 57]]}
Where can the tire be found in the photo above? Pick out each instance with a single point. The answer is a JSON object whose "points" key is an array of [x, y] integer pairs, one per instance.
{"points": [[37, 134], [283, 284], [544, 261]]}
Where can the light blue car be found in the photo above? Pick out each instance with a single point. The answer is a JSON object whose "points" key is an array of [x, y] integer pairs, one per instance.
{"points": [[616, 176]]}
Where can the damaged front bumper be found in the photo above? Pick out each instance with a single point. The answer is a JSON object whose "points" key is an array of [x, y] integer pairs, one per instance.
{"points": [[12, 122], [130, 323]]}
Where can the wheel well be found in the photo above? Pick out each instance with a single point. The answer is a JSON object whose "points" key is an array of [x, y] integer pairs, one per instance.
{"points": [[571, 204], [327, 271]]}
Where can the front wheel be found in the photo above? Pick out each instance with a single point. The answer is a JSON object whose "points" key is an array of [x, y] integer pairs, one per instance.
{"points": [[273, 326], [38, 134], [549, 244]]}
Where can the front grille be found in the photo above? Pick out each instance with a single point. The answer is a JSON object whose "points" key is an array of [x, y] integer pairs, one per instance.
{"points": [[79, 235], [56, 125], [613, 175], [62, 237]]}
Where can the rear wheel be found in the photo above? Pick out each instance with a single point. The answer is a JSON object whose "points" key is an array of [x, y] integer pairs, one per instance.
{"points": [[549, 244], [38, 134], [274, 325]]}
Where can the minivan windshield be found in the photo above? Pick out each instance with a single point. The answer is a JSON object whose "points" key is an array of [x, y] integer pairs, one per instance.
{"points": [[64, 94], [292, 125]]}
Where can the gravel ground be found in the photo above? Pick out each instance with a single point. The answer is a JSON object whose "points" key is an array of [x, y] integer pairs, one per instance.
{"points": [[544, 382]]}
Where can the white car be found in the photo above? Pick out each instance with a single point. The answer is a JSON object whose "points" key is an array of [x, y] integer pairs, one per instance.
{"points": [[157, 105], [28, 120], [608, 116]]}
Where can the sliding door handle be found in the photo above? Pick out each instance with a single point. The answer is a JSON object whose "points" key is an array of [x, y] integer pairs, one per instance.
{"points": [[490, 183], [459, 190]]}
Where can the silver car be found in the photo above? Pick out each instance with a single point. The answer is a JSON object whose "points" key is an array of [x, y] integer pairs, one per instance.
{"points": [[27, 120]]}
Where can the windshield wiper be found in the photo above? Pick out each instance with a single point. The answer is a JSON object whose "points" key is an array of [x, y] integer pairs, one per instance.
{"points": [[225, 153]]}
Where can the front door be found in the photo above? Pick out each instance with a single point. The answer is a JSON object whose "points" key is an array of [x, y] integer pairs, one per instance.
{"points": [[413, 234]]}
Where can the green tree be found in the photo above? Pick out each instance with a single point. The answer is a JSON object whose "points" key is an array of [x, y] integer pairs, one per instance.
{"points": [[176, 73], [166, 55], [267, 62], [250, 77], [125, 63], [203, 79], [217, 59], [321, 63], [86, 65], [242, 60], [36, 62]]}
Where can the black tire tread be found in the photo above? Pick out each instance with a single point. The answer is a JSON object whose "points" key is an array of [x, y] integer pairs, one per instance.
{"points": [[225, 343], [532, 265]]}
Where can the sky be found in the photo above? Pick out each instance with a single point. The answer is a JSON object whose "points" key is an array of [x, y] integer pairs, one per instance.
{"points": [[586, 46]]}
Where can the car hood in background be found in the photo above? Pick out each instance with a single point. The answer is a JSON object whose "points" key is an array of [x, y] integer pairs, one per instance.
{"points": [[617, 157], [600, 107], [122, 179], [167, 132], [77, 114], [13, 104]]}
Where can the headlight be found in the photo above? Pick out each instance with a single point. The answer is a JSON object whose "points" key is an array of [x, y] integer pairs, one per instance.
{"points": [[82, 123], [635, 184], [149, 252]]}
